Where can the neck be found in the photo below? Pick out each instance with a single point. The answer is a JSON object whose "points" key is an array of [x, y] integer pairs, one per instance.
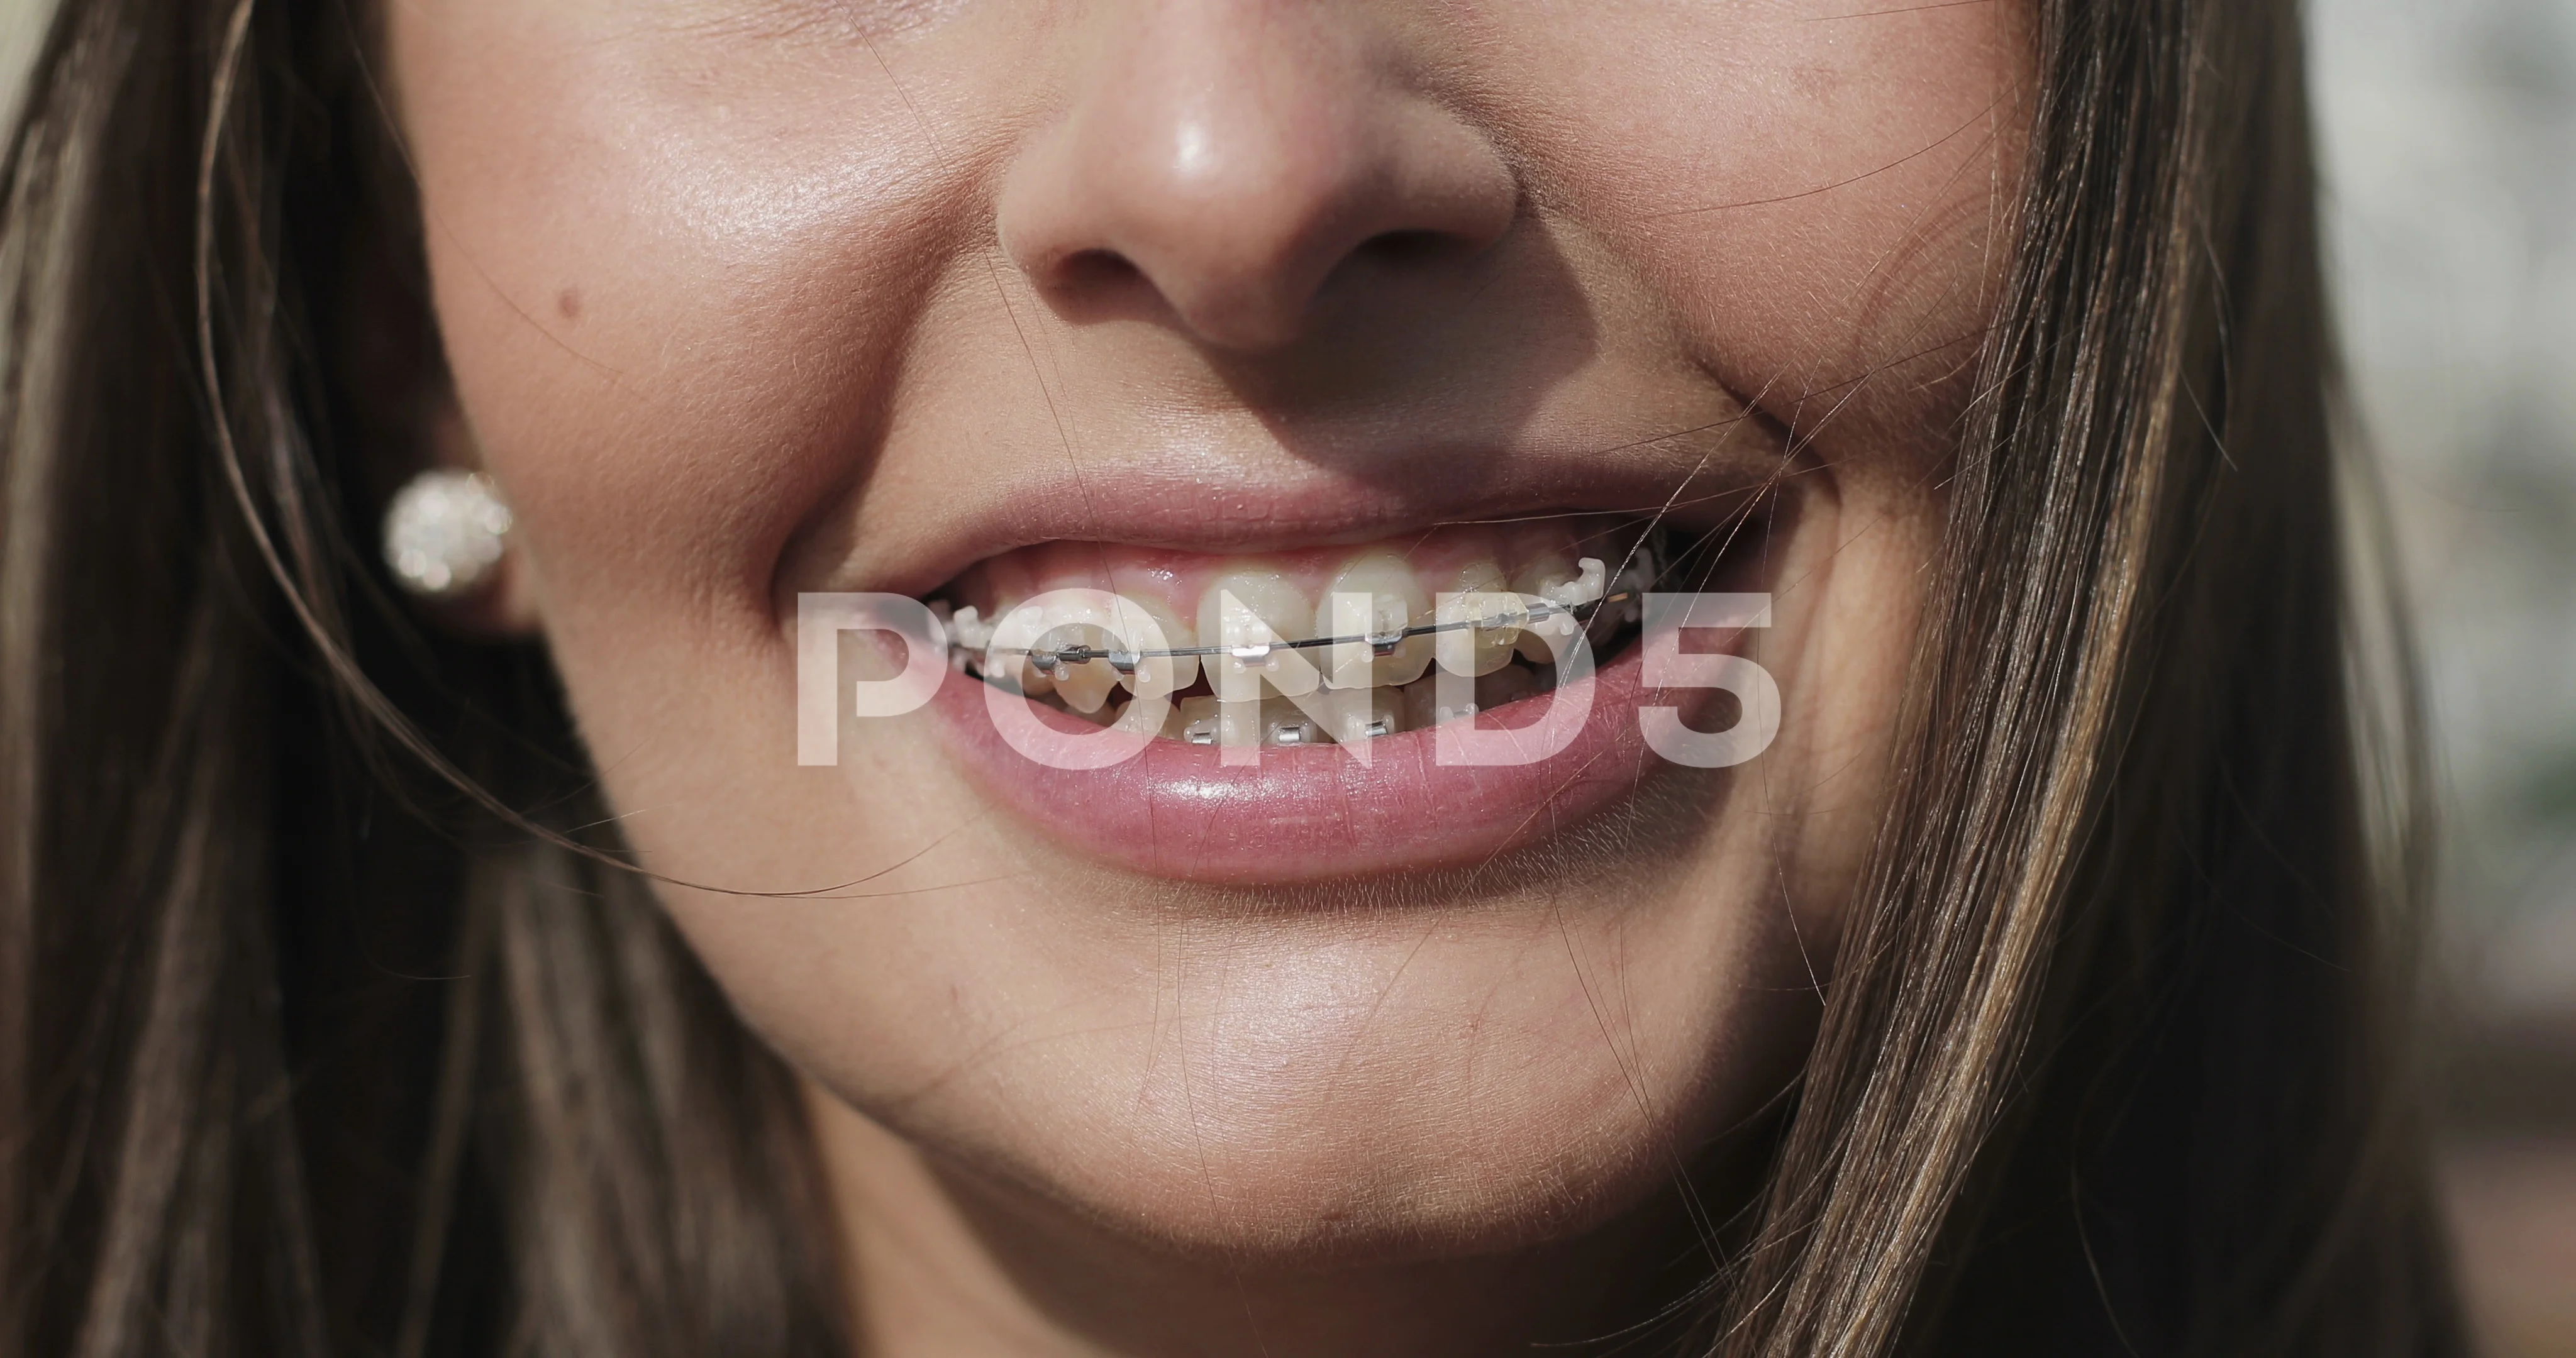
{"points": [[941, 1260]]}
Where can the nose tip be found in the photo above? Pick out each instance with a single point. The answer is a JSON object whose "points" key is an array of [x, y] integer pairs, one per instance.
{"points": [[1236, 177]]}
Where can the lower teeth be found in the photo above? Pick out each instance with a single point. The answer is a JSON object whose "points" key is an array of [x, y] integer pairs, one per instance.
{"points": [[1197, 718]]}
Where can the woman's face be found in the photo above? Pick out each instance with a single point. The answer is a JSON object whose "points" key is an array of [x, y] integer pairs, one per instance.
{"points": [[966, 299]]}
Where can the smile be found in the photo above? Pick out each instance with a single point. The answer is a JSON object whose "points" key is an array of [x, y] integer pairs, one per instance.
{"points": [[1248, 669], [1323, 646]]}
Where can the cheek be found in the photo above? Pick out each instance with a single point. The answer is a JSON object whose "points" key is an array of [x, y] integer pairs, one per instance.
{"points": [[665, 265], [1819, 198], [664, 287]]}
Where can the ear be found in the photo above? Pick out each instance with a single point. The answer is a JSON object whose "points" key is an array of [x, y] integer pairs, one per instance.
{"points": [[508, 605], [411, 421]]}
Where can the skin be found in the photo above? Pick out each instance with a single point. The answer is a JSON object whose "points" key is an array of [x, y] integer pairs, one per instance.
{"points": [[747, 297]]}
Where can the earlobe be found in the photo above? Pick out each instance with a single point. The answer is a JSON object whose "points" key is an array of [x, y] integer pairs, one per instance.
{"points": [[449, 539], [509, 609], [504, 607]]}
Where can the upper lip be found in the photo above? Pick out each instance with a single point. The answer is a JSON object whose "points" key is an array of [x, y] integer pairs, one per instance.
{"points": [[1205, 505]]}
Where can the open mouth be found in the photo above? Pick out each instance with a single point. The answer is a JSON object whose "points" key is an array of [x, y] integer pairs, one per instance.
{"points": [[1311, 691], [1320, 646]]}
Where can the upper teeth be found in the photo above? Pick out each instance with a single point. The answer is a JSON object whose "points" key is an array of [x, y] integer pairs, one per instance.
{"points": [[1306, 646], [1355, 642]]}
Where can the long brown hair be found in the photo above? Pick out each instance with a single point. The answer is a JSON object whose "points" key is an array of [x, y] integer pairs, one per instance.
{"points": [[323, 1029]]}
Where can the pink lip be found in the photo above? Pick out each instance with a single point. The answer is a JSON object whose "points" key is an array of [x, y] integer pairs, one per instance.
{"points": [[1305, 815]]}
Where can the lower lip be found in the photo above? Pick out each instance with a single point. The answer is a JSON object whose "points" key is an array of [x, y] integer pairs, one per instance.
{"points": [[1314, 813]]}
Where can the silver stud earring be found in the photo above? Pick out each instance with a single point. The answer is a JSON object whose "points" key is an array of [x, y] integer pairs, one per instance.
{"points": [[444, 533]]}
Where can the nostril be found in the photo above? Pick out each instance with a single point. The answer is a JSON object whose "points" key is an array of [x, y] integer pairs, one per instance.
{"points": [[1087, 270], [1408, 247]]}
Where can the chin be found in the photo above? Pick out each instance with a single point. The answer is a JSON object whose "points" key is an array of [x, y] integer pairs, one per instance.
{"points": [[1297, 1082], [1342, 1178]]}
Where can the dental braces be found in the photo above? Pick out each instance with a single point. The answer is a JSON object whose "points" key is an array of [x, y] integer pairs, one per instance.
{"points": [[1381, 644], [1579, 600]]}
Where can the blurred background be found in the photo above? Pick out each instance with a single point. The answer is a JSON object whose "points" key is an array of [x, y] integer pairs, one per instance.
{"points": [[2448, 129]]}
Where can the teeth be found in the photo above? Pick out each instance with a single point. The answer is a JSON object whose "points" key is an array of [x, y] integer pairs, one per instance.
{"points": [[1349, 717], [1272, 722], [1589, 585], [1255, 616], [1424, 710], [1376, 595], [1127, 640], [1163, 676], [1250, 613], [1545, 578], [1026, 620], [1196, 721], [1282, 723], [1360, 714], [958, 652], [1483, 600], [1084, 687], [968, 630], [1085, 619], [1030, 680]]}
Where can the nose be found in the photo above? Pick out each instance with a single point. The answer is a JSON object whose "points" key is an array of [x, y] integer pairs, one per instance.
{"points": [[1240, 159]]}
